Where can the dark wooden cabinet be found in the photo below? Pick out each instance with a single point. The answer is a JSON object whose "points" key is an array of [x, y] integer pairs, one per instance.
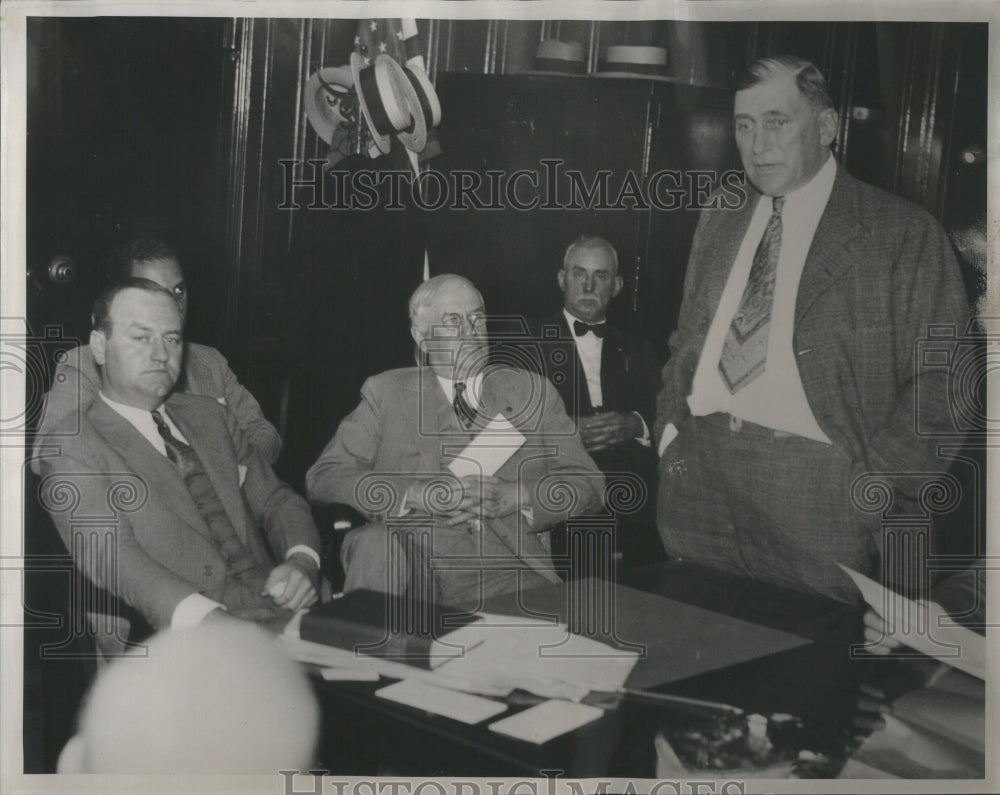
{"points": [[558, 157]]}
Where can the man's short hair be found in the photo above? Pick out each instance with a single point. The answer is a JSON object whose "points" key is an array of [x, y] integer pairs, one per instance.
{"points": [[136, 252], [100, 316], [426, 294], [592, 241], [808, 78]]}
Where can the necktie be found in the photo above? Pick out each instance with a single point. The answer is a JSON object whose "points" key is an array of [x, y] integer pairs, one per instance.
{"points": [[744, 353], [580, 328], [466, 414], [177, 451]]}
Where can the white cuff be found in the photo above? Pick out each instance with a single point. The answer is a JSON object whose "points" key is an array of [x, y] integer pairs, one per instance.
{"points": [[191, 610], [669, 434], [644, 440], [305, 551]]}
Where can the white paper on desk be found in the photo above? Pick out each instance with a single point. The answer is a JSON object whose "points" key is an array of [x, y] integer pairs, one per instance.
{"points": [[489, 451], [959, 716], [320, 654], [450, 703], [947, 642], [546, 721], [542, 657], [912, 752]]}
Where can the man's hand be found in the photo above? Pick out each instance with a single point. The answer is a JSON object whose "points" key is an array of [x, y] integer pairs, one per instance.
{"points": [[501, 497], [609, 429], [292, 584], [877, 639]]}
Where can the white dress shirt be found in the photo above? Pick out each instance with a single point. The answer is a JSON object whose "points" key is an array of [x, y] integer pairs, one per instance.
{"points": [[589, 347], [776, 398], [191, 609]]}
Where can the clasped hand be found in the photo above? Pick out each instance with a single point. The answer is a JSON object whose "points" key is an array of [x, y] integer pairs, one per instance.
{"points": [[609, 429], [465, 499]]}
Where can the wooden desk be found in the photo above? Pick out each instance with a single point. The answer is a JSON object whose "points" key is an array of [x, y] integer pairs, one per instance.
{"points": [[367, 735]]}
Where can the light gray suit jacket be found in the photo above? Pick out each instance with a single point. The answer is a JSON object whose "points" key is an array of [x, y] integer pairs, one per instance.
{"points": [[396, 433], [131, 524], [880, 277]]}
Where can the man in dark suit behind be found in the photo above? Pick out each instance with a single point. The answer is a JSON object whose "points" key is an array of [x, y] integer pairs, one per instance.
{"points": [[794, 367], [608, 378], [160, 497]]}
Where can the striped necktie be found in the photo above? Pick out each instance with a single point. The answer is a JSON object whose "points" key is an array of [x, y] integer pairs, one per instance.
{"points": [[466, 414], [177, 451], [744, 353]]}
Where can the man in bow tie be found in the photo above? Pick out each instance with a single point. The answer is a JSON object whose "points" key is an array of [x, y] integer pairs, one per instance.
{"points": [[448, 522], [160, 497], [608, 379]]}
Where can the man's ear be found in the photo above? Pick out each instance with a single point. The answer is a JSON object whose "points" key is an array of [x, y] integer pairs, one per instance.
{"points": [[619, 283], [561, 278], [97, 345], [828, 124]]}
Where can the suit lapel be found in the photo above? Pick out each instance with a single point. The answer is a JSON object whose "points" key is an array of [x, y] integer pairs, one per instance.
{"points": [[728, 232], [612, 366], [426, 435], [827, 258], [162, 477]]}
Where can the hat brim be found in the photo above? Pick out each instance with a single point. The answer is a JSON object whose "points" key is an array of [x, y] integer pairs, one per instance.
{"points": [[381, 141], [636, 76], [549, 73], [416, 138], [324, 118]]}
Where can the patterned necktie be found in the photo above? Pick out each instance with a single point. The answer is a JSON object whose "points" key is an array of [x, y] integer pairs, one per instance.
{"points": [[597, 329], [466, 414], [177, 451], [745, 351]]}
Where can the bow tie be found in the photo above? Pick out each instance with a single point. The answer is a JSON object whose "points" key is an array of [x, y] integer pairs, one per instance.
{"points": [[580, 328]]}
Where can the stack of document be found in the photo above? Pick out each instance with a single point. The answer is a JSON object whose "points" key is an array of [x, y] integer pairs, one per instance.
{"points": [[492, 656]]}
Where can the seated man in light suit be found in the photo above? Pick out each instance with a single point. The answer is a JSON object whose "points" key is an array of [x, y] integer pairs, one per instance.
{"points": [[160, 498], [205, 370], [465, 538]]}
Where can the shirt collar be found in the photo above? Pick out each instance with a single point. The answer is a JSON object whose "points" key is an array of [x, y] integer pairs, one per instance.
{"points": [[570, 318], [815, 190], [131, 413]]}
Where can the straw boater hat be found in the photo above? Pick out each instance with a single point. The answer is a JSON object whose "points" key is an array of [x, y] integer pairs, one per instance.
{"points": [[555, 57], [395, 101], [328, 93], [632, 61]]}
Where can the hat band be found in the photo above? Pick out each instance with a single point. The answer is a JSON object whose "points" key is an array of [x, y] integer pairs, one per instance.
{"points": [[635, 68], [559, 65], [431, 111], [368, 83], [411, 48]]}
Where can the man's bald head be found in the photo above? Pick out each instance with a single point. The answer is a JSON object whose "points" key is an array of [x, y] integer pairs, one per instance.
{"points": [[220, 698]]}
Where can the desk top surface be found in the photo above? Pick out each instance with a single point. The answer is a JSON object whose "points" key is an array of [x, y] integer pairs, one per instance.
{"points": [[814, 680]]}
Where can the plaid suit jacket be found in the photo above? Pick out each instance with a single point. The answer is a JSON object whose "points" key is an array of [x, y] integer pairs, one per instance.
{"points": [[879, 278]]}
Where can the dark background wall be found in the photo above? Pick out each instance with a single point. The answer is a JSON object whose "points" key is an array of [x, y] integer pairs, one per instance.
{"points": [[174, 127]]}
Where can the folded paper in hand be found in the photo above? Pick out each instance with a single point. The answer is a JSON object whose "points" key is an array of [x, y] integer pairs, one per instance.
{"points": [[941, 638], [489, 451]]}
